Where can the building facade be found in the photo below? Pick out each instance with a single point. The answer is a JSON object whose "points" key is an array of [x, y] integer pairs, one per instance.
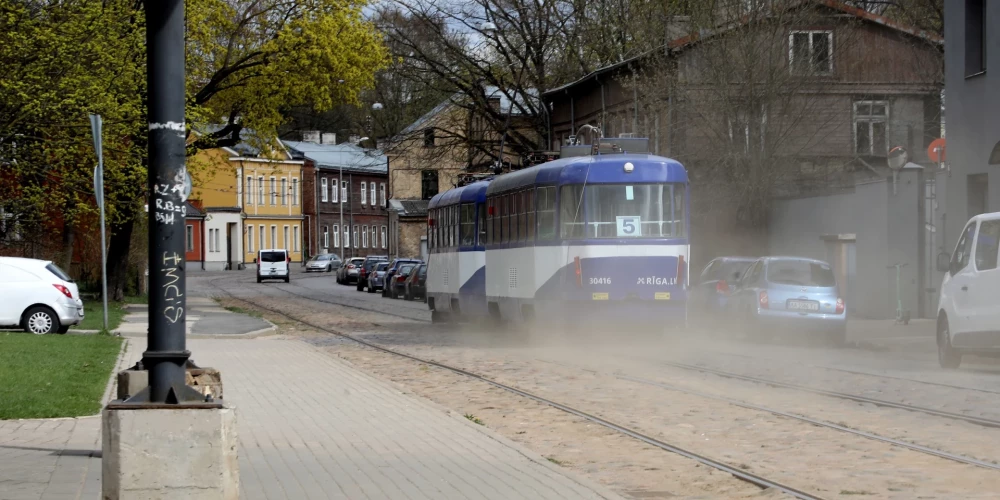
{"points": [[348, 215], [972, 72], [250, 203], [194, 241]]}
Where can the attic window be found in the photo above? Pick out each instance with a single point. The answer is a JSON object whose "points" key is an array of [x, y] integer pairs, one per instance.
{"points": [[428, 137], [810, 52]]}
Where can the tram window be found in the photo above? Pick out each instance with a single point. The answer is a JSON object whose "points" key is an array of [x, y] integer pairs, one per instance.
{"points": [[529, 204], [454, 226], [489, 221], [515, 210], [522, 216], [505, 219], [571, 212], [468, 225], [653, 210], [546, 209], [481, 221]]}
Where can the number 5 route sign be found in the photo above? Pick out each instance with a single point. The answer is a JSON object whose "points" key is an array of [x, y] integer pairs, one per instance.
{"points": [[629, 225]]}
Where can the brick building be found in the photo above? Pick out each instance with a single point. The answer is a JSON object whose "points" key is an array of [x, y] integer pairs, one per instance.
{"points": [[346, 205]]}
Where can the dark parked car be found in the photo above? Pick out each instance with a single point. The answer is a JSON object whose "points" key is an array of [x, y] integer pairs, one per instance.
{"points": [[348, 273], [416, 285], [376, 278], [712, 290], [398, 282], [391, 272], [368, 266]]}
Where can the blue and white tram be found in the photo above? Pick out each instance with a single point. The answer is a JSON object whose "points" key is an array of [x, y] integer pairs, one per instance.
{"points": [[601, 237], [456, 274]]}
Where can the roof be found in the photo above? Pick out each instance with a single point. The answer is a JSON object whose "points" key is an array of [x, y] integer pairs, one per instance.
{"points": [[490, 91], [192, 212], [593, 169], [683, 42], [469, 193], [410, 208], [345, 155], [242, 148]]}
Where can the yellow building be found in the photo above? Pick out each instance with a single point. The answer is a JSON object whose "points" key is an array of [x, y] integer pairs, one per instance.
{"points": [[250, 203]]}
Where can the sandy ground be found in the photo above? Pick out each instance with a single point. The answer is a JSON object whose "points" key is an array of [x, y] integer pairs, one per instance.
{"points": [[831, 463]]}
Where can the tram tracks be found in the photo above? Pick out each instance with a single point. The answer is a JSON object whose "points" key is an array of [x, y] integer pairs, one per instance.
{"points": [[758, 480]]}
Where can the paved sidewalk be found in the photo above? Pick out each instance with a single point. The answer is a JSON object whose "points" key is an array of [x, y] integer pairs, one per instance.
{"points": [[204, 317], [310, 426]]}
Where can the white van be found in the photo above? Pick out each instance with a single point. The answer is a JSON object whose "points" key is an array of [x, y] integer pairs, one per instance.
{"points": [[273, 265], [38, 296], [969, 307]]}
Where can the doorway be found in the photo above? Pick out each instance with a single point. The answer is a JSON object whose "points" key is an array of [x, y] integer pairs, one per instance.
{"points": [[841, 253]]}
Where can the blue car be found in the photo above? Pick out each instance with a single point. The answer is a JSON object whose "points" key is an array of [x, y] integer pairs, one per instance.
{"points": [[376, 278], [711, 291], [790, 295]]}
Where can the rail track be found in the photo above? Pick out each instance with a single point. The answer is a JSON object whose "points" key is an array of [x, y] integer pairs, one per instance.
{"points": [[985, 422], [749, 477]]}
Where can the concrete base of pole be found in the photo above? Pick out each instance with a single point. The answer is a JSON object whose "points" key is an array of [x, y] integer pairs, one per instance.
{"points": [[170, 453]]}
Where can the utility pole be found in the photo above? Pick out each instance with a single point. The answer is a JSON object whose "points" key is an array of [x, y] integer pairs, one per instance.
{"points": [[166, 355]]}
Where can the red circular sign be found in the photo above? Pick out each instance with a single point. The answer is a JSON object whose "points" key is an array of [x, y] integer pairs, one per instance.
{"points": [[936, 150]]}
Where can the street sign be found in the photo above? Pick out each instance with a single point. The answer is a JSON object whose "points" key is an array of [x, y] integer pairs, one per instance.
{"points": [[935, 151], [95, 127]]}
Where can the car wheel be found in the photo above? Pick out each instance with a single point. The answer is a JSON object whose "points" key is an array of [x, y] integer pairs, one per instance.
{"points": [[947, 356], [41, 320], [63, 330], [408, 295], [371, 289], [329, 269], [258, 279], [287, 279]]}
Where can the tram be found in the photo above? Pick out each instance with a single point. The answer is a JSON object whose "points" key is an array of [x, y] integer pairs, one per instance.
{"points": [[587, 236]]}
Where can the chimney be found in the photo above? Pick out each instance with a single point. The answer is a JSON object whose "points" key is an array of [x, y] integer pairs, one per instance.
{"points": [[312, 136], [328, 138], [677, 27]]}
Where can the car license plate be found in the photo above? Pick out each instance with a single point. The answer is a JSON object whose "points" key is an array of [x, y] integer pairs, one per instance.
{"points": [[803, 305]]}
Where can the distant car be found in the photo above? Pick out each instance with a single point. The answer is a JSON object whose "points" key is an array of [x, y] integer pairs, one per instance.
{"points": [[349, 271], [366, 267], [273, 265], [324, 262], [968, 317], [791, 294], [416, 285], [376, 278], [398, 283], [393, 268], [711, 291], [37, 296]]}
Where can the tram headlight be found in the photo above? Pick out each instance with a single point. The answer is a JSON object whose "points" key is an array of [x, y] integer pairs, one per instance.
{"points": [[629, 167]]}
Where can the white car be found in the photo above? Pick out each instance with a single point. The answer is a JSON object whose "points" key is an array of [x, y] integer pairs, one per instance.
{"points": [[968, 311], [272, 265], [38, 296]]}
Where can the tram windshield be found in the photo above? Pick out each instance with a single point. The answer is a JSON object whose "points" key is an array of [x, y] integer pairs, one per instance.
{"points": [[623, 211]]}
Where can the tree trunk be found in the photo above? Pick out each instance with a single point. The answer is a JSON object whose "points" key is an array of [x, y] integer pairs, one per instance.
{"points": [[68, 235], [118, 250]]}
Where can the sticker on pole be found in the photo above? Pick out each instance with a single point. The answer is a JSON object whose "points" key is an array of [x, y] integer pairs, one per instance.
{"points": [[629, 226]]}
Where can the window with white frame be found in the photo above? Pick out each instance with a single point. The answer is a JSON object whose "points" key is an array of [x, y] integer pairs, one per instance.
{"points": [[333, 191], [248, 190], [357, 241], [870, 122], [747, 128], [372, 193], [381, 194], [336, 236], [326, 236], [274, 237], [274, 191], [295, 238], [260, 190], [374, 236], [810, 52], [363, 191], [343, 191], [347, 238], [295, 191], [286, 241], [211, 240], [322, 184], [189, 238], [250, 239], [218, 247], [384, 244], [364, 236], [284, 191], [263, 238]]}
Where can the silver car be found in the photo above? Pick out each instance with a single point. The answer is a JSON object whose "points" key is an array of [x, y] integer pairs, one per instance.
{"points": [[348, 272], [325, 262]]}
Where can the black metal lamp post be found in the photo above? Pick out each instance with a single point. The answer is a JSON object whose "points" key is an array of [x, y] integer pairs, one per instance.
{"points": [[166, 355]]}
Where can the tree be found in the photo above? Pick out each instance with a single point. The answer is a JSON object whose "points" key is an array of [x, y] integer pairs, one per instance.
{"points": [[246, 62]]}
